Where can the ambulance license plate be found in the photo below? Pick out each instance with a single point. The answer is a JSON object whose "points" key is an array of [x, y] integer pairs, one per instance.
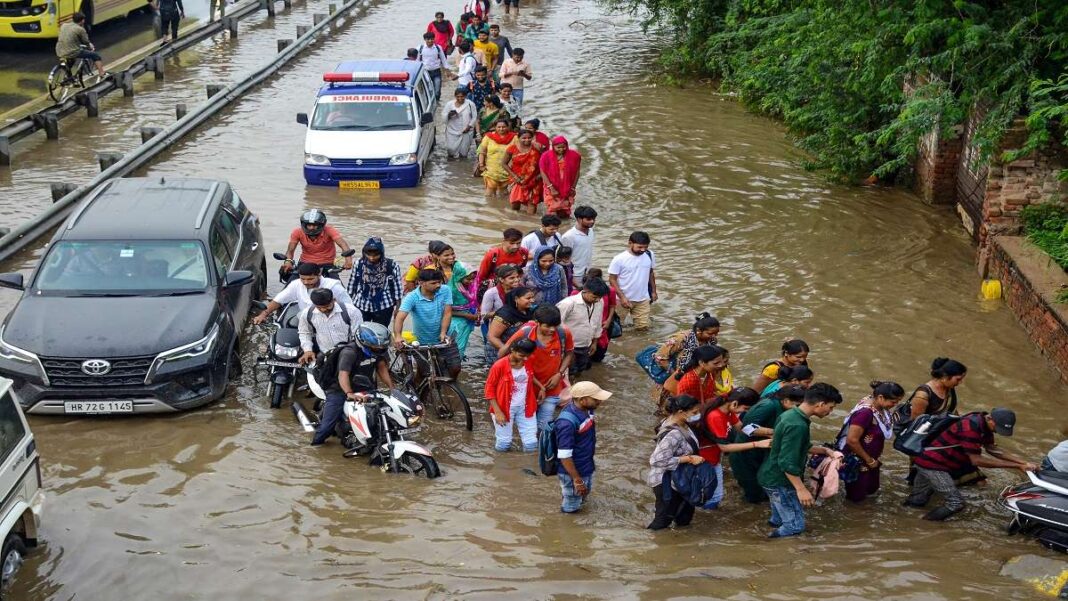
{"points": [[359, 185]]}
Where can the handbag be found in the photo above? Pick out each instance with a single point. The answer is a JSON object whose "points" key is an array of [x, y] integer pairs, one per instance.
{"points": [[646, 358], [615, 328]]}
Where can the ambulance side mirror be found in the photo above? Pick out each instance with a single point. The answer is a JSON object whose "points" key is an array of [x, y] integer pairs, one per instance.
{"points": [[302, 118]]}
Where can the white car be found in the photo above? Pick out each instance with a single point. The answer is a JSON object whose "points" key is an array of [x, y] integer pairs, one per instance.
{"points": [[20, 485]]}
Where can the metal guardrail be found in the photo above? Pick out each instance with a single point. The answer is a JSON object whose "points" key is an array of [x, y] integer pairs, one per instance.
{"points": [[48, 118], [218, 97]]}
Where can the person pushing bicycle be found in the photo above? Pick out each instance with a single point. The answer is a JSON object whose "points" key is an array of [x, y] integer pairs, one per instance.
{"points": [[73, 42]]}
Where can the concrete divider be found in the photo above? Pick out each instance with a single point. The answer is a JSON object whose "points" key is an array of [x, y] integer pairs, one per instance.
{"points": [[123, 80], [123, 165]]}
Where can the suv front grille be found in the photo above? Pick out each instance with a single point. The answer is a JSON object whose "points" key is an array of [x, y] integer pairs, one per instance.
{"points": [[125, 371]]}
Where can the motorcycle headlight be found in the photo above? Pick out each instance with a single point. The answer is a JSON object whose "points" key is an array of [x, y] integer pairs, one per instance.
{"points": [[286, 352], [413, 420], [316, 159], [404, 159], [11, 352], [201, 347]]}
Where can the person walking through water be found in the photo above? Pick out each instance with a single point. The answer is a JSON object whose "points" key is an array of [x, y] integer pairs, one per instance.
{"points": [[560, 169], [460, 118], [491, 153], [375, 283], [443, 32], [521, 163]]}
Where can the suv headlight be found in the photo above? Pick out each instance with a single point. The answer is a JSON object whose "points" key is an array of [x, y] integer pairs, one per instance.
{"points": [[11, 352], [316, 159], [404, 159], [201, 347], [286, 352]]}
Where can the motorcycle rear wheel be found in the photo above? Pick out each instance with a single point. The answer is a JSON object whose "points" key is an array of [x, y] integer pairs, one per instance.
{"points": [[418, 465]]}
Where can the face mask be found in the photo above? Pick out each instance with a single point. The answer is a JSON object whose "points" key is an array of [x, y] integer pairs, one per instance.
{"points": [[694, 418]]}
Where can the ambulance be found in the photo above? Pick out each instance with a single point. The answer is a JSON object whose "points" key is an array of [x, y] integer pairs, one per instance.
{"points": [[372, 126]]}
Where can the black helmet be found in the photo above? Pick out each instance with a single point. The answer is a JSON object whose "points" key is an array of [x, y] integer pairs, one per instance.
{"points": [[312, 222], [375, 337]]}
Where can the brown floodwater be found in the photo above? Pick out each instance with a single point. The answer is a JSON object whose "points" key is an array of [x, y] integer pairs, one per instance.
{"points": [[229, 502]]}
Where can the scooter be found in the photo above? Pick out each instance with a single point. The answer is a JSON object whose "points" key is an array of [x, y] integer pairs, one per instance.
{"points": [[283, 349], [332, 271], [375, 426], [1040, 507]]}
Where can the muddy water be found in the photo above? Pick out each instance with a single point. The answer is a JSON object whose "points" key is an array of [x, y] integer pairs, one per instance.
{"points": [[228, 502]]}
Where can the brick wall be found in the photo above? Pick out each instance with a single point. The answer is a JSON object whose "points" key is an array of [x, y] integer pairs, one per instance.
{"points": [[1012, 186], [936, 166], [1029, 283]]}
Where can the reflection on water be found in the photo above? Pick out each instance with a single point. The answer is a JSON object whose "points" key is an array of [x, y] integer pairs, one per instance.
{"points": [[229, 502]]}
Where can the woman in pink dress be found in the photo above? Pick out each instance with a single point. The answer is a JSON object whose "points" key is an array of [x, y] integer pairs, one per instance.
{"points": [[560, 174]]}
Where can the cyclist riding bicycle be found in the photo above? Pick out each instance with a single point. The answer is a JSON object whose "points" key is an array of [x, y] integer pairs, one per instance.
{"points": [[317, 241], [74, 43]]}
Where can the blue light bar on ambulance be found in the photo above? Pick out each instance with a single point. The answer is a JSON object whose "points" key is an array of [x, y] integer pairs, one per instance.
{"points": [[399, 77]]}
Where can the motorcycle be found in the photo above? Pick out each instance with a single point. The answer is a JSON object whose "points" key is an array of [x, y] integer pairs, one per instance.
{"points": [[283, 349], [329, 271], [1040, 507], [375, 427]]}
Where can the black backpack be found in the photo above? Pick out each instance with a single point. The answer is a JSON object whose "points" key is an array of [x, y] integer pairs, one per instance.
{"points": [[920, 432], [903, 413], [326, 365]]}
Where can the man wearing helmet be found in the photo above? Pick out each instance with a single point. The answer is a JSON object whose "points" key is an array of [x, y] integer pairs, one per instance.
{"points": [[365, 356], [317, 241]]}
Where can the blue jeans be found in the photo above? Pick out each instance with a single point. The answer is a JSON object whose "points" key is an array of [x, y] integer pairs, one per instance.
{"points": [[333, 408], [717, 496], [572, 502], [435, 77], [546, 409], [518, 95], [787, 515]]}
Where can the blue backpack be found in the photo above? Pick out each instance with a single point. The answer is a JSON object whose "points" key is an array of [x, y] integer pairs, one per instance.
{"points": [[646, 359], [696, 483], [547, 460]]}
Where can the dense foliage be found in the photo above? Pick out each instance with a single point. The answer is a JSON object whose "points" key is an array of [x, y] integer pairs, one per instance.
{"points": [[834, 70], [1047, 226]]}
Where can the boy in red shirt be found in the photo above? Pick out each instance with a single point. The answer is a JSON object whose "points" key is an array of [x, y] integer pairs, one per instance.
{"points": [[550, 360], [508, 252]]}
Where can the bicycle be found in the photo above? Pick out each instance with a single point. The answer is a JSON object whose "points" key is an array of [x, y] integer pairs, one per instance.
{"points": [[70, 74], [415, 369]]}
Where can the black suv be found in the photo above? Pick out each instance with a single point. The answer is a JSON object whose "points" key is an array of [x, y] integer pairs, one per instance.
{"points": [[138, 302]]}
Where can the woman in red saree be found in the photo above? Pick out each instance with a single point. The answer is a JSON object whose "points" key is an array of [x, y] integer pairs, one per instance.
{"points": [[560, 173], [521, 163]]}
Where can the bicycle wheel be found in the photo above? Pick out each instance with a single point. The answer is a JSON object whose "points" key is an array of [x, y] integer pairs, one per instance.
{"points": [[60, 83], [450, 403]]}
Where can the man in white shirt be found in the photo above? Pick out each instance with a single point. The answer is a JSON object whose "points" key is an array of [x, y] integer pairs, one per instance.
{"points": [[631, 274], [582, 313], [544, 236], [326, 324], [516, 71], [466, 65], [580, 238], [299, 291], [459, 117], [433, 57]]}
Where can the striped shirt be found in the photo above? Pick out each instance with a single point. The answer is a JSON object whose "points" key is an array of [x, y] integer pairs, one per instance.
{"points": [[330, 328], [949, 450]]}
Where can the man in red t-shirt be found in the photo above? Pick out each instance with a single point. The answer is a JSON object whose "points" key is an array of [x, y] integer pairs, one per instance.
{"points": [[508, 252], [550, 361], [956, 448], [317, 241]]}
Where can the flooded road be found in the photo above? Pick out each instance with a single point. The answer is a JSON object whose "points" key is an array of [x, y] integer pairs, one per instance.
{"points": [[228, 502]]}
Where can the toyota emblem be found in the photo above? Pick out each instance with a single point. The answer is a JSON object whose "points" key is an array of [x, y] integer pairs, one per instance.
{"points": [[96, 367]]}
